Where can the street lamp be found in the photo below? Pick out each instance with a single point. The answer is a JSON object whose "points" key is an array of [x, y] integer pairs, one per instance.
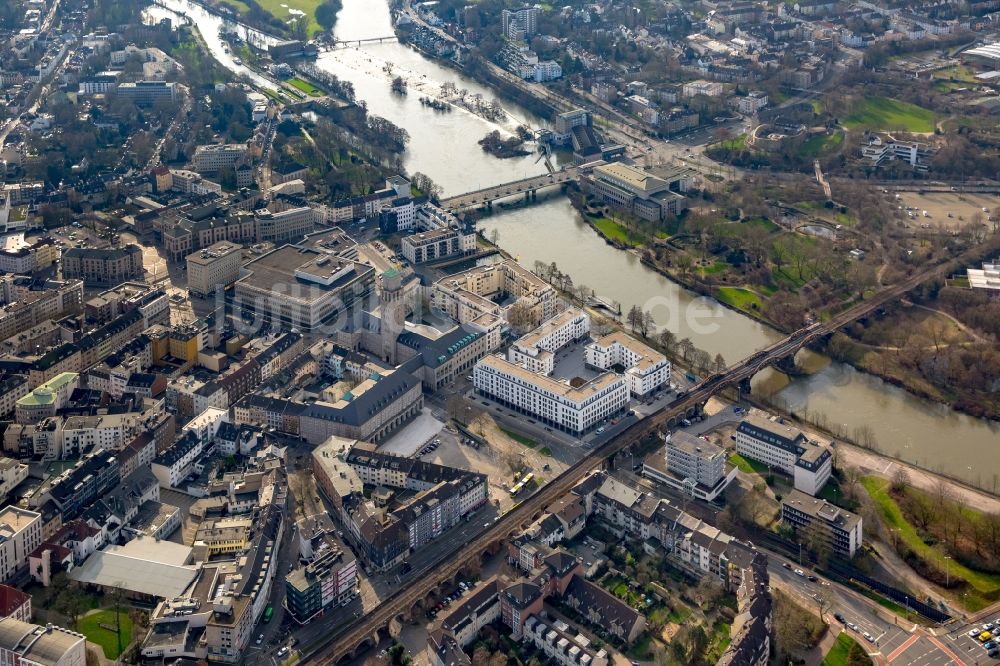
{"points": [[947, 572]]}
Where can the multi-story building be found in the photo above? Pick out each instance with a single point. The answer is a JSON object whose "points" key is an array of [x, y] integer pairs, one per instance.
{"points": [[20, 534], [24, 309], [77, 488], [536, 350], [214, 157], [437, 244], [562, 645], [637, 192], [330, 577], [693, 458], [98, 84], [646, 370], [176, 463], [787, 449], [752, 103], [287, 226], [881, 150], [987, 277], [35, 257], [12, 473], [519, 24], [32, 645], [147, 93], [840, 529], [217, 265], [702, 87], [475, 293], [103, 267], [569, 407], [302, 287], [45, 399], [691, 465], [14, 603]]}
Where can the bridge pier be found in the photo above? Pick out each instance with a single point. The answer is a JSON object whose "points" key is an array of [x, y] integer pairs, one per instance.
{"points": [[786, 364], [744, 386]]}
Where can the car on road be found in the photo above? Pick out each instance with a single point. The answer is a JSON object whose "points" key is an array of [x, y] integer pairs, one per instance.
{"points": [[989, 645], [838, 617], [852, 626], [786, 565], [988, 626], [812, 579], [973, 632], [260, 639], [985, 636], [799, 572], [283, 651], [868, 637]]}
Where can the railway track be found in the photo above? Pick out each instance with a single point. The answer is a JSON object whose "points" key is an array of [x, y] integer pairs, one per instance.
{"points": [[448, 565]]}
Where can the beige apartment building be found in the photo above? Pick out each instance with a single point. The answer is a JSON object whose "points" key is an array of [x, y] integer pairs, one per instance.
{"points": [[20, 534], [218, 264], [107, 267]]}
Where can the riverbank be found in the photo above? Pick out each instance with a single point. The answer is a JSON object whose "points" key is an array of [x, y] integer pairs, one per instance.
{"points": [[734, 289]]}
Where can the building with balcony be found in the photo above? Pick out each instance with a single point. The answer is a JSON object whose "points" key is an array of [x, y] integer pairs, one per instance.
{"points": [[841, 530]]}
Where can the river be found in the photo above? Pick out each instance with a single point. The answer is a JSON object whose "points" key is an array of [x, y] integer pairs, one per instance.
{"points": [[443, 146]]}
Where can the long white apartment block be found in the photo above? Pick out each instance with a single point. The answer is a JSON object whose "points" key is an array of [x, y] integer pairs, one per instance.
{"points": [[645, 369], [572, 407], [536, 350]]}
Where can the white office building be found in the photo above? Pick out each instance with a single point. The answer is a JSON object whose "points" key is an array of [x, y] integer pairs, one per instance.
{"points": [[786, 449], [573, 407]]}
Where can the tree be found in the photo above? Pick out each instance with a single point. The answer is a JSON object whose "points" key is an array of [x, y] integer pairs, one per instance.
{"points": [[647, 323], [685, 346], [900, 480], [634, 318], [719, 364], [667, 340]]}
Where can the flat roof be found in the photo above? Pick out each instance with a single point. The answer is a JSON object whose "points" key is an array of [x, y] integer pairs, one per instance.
{"points": [[145, 565], [577, 394]]}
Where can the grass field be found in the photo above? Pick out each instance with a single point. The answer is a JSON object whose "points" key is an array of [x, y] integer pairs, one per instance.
{"points": [[747, 465], [821, 144], [985, 584], [737, 297], [520, 439], [837, 656], [763, 223], [886, 113], [616, 232], [90, 626], [282, 12], [305, 87]]}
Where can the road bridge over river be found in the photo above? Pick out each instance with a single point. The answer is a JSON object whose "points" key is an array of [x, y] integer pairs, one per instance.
{"points": [[525, 186], [408, 600]]}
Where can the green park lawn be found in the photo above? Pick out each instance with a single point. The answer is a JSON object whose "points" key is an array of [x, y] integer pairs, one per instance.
{"points": [[95, 627], [308, 6], [821, 144], [617, 232], [987, 585], [762, 222], [885, 113], [737, 297], [838, 654], [305, 87]]}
